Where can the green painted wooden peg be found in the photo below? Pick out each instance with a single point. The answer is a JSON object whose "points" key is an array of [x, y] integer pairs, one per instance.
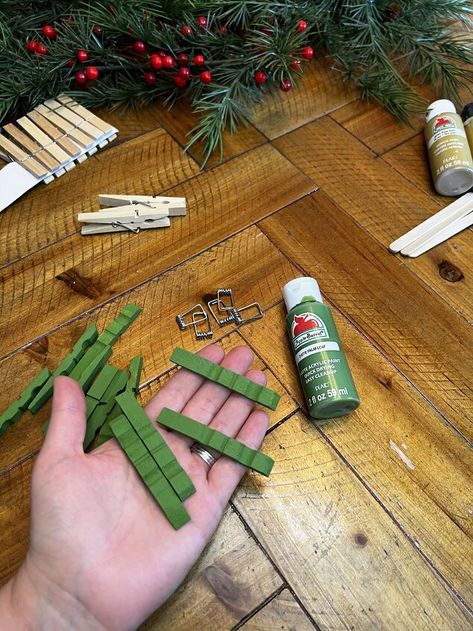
{"points": [[208, 437], [149, 472], [101, 411], [102, 382], [16, 409], [135, 368], [225, 377], [156, 445], [65, 367]]}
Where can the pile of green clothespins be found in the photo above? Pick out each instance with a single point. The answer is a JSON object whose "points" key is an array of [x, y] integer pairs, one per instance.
{"points": [[113, 411]]}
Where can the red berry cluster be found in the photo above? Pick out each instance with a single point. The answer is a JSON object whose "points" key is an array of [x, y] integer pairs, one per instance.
{"points": [[162, 61], [91, 73], [36, 47]]}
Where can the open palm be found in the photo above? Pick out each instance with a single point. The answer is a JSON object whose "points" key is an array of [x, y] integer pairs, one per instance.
{"points": [[101, 549]]}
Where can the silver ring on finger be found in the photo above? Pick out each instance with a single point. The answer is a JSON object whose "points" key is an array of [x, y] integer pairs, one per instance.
{"points": [[205, 455]]}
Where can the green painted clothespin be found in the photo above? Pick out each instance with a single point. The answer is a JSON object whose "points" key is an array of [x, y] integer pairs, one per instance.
{"points": [[227, 378], [16, 409]]}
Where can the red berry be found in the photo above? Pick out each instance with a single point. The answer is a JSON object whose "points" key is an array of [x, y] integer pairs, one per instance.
{"points": [[139, 47], [98, 30], [181, 82], [266, 30], [223, 29], [156, 61], [80, 77], [182, 58], [32, 46], [199, 60], [49, 31], [307, 52], [184, 72], [70, 63], [186, 31], [161, 53], [206, 76], [150, 78], [296, 65], [82, 55], [260, 77], [41, 50], [202, 21], [286, 85], [168, 61], [301, 26], [92, 73]]}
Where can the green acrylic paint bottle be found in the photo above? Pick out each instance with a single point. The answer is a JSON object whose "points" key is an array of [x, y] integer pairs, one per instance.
{"points": [[323, 368]]}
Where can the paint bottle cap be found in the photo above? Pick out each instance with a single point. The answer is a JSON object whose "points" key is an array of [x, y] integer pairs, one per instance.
{"points": [[442, 106], [298, 288], [467, 112]]}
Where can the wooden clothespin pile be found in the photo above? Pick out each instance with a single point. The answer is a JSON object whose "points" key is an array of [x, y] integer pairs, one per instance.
{"points": [[436, 229], [132, 213], [48, 142]]}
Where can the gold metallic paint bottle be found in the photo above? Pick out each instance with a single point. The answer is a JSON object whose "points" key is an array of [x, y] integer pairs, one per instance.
{"points": [[451, 162]]}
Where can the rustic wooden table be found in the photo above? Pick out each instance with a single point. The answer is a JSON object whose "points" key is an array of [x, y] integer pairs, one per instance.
{"points": [[365, 521]]}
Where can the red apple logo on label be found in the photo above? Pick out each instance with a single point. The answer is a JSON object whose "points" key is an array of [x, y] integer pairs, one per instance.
{"points": [[443, 121], [303, 323]]}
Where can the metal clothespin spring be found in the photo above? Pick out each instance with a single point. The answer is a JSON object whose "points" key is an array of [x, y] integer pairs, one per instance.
{"points": [[120, 224]]}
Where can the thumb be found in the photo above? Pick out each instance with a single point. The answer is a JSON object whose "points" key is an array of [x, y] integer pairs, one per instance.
{"points": [[67, 426]]}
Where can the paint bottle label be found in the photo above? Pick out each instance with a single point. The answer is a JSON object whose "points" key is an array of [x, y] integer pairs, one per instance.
{"points": [[323, 369], [450, 157]]}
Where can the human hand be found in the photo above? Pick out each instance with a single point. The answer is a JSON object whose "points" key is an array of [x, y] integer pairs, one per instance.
{"points": [[102, 555]]}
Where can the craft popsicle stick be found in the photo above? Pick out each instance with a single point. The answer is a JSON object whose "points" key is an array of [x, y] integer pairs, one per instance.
{"points": [[149, 472], [208, 437], [227, 378]]}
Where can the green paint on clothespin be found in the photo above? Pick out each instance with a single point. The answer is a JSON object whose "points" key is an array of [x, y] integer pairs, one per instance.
{"points": [[65, 367], [88, 375], [208, 437], [135, 368], [227, 378], [149, 472], [101, 411], [102, 382], [156, 445], [16, 409]]}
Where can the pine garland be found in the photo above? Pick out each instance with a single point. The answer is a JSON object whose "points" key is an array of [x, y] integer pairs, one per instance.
{"points": [[385, 47]]}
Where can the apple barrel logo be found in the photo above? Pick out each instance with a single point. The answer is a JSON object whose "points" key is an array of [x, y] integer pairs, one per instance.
{"points": [[443, 122], [307, 327]]}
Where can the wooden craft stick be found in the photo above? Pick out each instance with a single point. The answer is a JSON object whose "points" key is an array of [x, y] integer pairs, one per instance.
{"points": [[17, 154], [225, 377], [156, 445], [440, 236], [45, 141], [149, 472], [209, 437], [54, 133], [32, 147]]}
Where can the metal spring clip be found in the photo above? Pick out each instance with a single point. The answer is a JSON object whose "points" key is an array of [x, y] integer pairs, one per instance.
{"points": [[196, 310]]}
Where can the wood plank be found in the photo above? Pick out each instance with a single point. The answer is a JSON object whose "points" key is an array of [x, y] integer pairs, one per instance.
{"points": [[231, 578], [371, 123], [413, 328], [348, 562], [283, 613], [320, 91], [132, 122], [47, 214], [79, 272], [179, 120], [416, 466], [248, 263], [382, 201]]}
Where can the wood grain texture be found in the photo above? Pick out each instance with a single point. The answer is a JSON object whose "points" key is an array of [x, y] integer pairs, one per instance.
{"points": [[418, 332], [282, 612], [180, 120], [349, 563], [248, 263], [132, 122], [381, 201], [410, 460], [78, 273], [317, 93], [47, 214]]}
